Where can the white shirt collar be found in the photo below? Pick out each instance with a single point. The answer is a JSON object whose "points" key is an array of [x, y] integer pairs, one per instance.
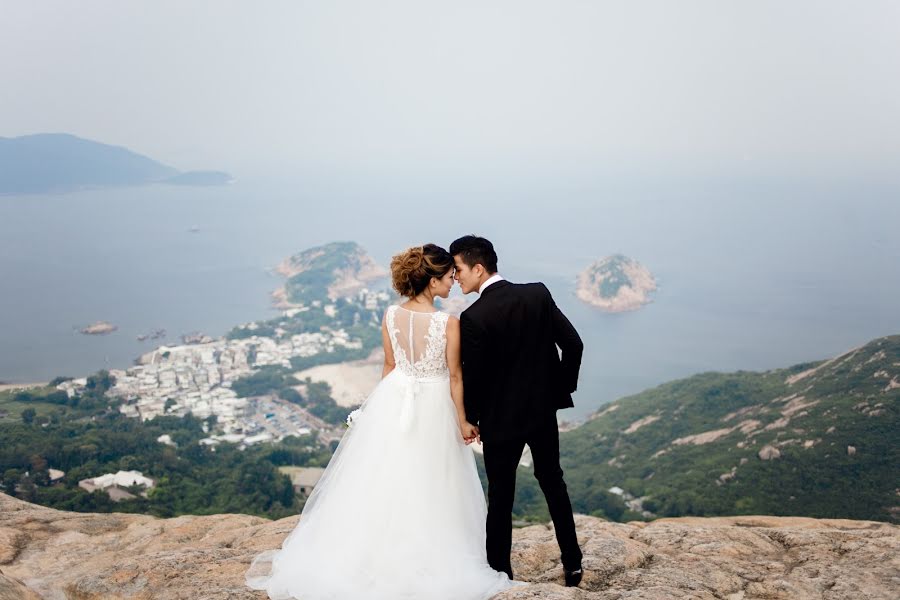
{"points": [[492, 279]]}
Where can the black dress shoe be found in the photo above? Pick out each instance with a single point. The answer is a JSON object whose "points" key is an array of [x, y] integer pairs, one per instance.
{"points": [[573, 578]]}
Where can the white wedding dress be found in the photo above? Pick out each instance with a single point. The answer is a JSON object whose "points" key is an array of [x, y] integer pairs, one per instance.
{"points": [[399, 513]]}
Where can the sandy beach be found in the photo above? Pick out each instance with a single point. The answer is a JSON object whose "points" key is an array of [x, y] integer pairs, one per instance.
{"points": [[351, 382], [21, 386]]}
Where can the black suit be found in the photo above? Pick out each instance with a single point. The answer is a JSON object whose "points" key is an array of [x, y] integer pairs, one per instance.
{"points": [[514, 381]]}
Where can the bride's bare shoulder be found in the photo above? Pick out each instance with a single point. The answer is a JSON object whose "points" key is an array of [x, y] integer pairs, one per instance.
{"points": [[452, 325]]}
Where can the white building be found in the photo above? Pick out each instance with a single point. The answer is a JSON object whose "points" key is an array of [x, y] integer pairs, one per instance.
{"points": [[303, 479], [114, 484], [255, 439]]}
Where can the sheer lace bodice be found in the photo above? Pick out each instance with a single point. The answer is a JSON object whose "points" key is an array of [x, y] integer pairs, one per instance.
{"points": [[419, 341]]}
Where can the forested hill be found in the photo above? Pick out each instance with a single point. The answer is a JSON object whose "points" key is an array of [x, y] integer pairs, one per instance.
{"points": [[60, 162], [819, 439]]}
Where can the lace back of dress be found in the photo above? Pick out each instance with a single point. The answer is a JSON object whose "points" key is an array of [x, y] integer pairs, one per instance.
{"points": [[419, 341]]}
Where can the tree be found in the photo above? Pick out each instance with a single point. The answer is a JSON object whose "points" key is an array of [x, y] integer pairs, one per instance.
{"points": [[10, 479], [38, 462], [28, 415], [27, 490], [39, 473], [129, 463], [100, 381]]}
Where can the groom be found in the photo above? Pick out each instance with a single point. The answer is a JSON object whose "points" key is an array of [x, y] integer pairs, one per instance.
{"points": [[514, 382]]}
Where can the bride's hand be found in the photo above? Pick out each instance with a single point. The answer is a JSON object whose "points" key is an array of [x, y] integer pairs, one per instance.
{"points": [[469, 432]]}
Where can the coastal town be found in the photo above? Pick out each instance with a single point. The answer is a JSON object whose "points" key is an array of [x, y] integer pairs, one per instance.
{"points": [[198, 378], [328, 316]]}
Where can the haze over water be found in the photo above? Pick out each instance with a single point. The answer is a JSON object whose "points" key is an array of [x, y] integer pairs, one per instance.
{"points": [[746, 153], [751, 276]]}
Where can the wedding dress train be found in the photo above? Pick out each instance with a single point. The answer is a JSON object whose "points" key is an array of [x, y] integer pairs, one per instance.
{"points": [[399, 513]]}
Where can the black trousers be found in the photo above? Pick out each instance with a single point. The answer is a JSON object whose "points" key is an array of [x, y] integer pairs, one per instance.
{"points": [[501, 460]]}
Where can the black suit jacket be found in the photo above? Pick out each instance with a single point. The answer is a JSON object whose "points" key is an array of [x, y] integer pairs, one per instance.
{"points": [[513, 376]]}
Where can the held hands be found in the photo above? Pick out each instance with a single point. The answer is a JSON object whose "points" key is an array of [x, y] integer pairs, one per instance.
{"points": [[470, 432]]}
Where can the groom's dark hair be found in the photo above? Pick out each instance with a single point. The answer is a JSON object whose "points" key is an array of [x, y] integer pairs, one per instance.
{"points": [[475, 250]]}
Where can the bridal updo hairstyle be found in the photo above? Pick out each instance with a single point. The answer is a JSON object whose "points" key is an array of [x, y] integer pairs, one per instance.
{"points": [[412, 270]]}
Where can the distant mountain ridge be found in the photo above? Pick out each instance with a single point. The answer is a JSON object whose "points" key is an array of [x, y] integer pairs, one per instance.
{"points": [[819, 439], [61, 162]]}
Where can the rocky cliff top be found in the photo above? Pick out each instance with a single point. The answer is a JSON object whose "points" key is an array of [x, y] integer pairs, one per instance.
{"points": [[56, 554]]}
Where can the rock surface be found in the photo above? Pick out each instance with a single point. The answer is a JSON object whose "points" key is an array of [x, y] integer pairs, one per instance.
{"points": [[98, 328], [83, 556]]}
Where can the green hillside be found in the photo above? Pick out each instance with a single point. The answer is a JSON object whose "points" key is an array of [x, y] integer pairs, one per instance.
{"points": [[320, 267], [830, 431], [85, 436]]}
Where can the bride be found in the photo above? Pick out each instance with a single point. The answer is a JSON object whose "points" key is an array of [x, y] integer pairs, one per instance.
{"points": [[399, 513]]}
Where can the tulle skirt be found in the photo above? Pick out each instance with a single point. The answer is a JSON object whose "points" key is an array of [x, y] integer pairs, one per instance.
{"points": [[398, 514]]}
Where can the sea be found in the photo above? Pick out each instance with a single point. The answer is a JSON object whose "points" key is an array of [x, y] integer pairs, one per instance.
{"points": [[754, 273]]}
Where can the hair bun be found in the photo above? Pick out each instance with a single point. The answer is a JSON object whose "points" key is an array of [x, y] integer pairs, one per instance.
{"points": [[412, 269], [404, 267]]}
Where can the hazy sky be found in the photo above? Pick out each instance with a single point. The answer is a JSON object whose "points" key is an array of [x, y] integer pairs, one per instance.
{"points": [[715, 86]]}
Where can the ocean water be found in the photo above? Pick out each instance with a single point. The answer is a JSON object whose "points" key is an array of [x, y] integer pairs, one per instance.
{"points": [[752, 274]]}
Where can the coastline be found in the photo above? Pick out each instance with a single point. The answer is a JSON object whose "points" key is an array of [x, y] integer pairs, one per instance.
{"points": [[21, 386]]}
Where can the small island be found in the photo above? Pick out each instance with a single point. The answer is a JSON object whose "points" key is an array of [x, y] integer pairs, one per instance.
{"points": [[616, 284], [98, 328], [153, 335], [325, 273]]}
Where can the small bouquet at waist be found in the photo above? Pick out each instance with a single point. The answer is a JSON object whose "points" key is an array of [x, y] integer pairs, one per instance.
{"points": [[353, 416]]}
